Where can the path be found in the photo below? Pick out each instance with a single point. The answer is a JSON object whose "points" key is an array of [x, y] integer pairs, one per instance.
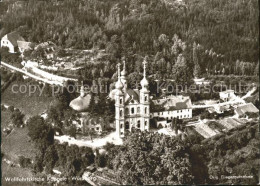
{"points": [[238, 100], [53, 81], [98, 142]]}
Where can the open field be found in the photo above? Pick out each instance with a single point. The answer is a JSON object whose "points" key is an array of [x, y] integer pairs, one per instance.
{"points": [[16, 144], [5, 118], [29, 104], [10, 172]]}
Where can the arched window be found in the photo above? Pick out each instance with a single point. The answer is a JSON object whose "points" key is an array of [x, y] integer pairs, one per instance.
{"points": [[121, 126], [121, 101], [145, 98], [138, 124], [145, 110], [138, 110], [145, 123], [132, 110], [121, 113]]}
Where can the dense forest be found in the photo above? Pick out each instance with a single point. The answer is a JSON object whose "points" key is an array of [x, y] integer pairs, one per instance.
{"points": [[152, 158], [219, 37]]}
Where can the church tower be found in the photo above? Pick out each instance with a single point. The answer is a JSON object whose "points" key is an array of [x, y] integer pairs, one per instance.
{"points": [[144, 101], [123, 76], [119, 106]]}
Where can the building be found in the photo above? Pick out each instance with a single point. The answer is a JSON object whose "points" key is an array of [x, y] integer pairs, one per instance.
{"points": [[172, 107], [81, 103], [227, 95], [24, 45], [201, 81], [132, 107], [95, 124], [11, 41], [245, 109], [49, 49]]}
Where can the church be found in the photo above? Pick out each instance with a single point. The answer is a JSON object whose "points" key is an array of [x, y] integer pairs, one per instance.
{"points": [[132, 106]]}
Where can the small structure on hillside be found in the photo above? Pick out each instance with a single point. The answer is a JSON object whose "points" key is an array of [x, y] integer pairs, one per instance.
{"points": [[173, 107], [245, 109], [11, 41], [227, 95], [86, 122], [24, 46]]}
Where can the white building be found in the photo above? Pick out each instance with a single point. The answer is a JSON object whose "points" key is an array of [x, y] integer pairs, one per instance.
{"points": [[132, 106], [10, 41], [227, 95], [173, 107]]}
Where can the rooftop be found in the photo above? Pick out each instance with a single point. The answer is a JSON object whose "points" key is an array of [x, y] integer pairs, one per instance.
{"points": [[81, 103], [13, 37], [242, 109]]}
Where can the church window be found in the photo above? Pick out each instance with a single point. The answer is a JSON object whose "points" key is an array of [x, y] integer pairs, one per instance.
{"points": [[133, 110], [121, 126], [121, 100], [138, 110], [138, 124], [145, 123], [127, 125], [145, 110], [145, 98], [121, 113]]}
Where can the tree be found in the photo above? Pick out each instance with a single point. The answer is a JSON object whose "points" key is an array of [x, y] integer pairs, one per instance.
{"points": [[181, 72], [17, 118], [40, 132], [72, 131], [196, 71]]}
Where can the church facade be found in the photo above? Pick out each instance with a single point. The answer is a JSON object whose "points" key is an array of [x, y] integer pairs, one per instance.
{"points": [[132, 106]]}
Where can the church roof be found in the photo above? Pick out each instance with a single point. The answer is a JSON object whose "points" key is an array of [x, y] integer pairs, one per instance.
{"points": [[132, 94], [241, 110], [24, 45], [129, 94], [174, 102], [81, 103], [13, 37]]}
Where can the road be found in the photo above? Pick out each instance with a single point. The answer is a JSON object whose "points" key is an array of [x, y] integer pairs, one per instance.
{"points": [[237, 100], [45, 80]]}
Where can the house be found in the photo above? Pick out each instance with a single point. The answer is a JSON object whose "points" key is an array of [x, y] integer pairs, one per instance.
{"points": [[11, 41], [173, 107], [24, 45], [48, 48], [163, 123], [93, 123], [245, 109], [227, 95], [201, 81]]}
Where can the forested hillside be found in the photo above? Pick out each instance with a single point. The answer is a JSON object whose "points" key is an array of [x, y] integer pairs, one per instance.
{"points": [[224, 30]]}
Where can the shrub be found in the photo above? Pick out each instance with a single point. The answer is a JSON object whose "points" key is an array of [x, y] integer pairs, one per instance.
{"points": [[24, 162]]}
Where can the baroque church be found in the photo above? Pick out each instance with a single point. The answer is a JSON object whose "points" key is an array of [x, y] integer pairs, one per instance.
{"points": [[132, 106]]}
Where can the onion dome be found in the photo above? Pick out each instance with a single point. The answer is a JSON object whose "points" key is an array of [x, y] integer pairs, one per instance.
{"points": [[119, 85], [81, 103], [144, 82]]}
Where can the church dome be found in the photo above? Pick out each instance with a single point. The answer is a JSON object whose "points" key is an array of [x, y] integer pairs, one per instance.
{"points": [[119, 85], [81, 103], [123, 72], [144, 82]]}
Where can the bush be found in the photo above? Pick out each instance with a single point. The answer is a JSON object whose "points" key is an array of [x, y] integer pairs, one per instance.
{"points": [[24, 162]]}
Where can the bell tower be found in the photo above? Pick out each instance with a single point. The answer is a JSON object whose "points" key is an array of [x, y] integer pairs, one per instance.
{"points": [[145, 101], [119, 107]]}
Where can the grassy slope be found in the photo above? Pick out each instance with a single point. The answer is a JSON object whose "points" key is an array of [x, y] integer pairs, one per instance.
{"points": [[29, 105]]}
